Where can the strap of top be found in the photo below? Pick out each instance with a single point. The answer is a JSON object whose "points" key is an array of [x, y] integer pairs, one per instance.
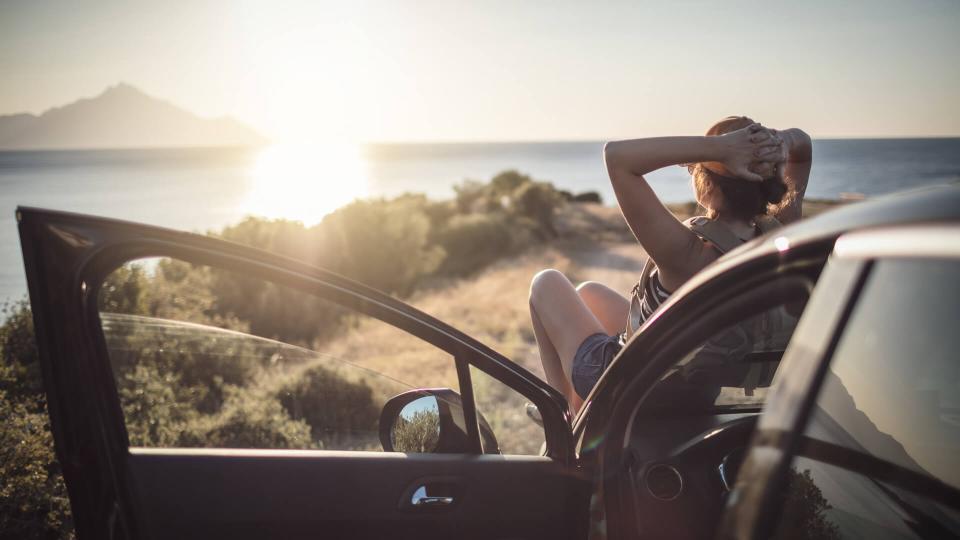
{"points": [[715, 232]]}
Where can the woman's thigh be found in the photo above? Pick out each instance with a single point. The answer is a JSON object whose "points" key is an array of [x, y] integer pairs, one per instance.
{"points": [[563, 314], [608, 306]]}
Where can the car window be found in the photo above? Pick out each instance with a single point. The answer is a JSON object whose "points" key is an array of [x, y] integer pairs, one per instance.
{"points": [[203, 357], [514, 420], [892, 392], [732, 369]]}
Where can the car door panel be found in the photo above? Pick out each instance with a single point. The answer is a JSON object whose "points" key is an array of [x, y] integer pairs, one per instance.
{"points": [[235, 494], [156, 493]]}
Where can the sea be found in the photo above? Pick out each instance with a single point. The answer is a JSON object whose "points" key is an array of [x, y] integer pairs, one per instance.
{"points": [[205, 189]]}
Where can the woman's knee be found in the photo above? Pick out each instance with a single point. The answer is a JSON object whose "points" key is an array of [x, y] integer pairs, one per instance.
{"points": [[590, 289], [596, 295], [545, 281]]}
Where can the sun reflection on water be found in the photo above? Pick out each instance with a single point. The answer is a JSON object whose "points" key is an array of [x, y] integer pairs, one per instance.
{"points": [[304, 182]]}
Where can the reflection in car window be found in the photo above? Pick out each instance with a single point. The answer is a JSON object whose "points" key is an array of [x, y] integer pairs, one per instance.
{"points": [[733, 369], [208, 358], [826, 502], [893, 387], [892, 391]]}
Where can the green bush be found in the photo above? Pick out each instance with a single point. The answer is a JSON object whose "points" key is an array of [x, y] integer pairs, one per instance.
{"points": [[420, 433], [249, 419], [18, 353], [381, 243], [341, 413], [471, 242], [587, 197], [157, 409], [538, 201], [33, 497], [506, 183]]}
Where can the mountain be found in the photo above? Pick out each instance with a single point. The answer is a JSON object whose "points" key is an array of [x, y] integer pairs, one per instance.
{"points": [[121, 117]]}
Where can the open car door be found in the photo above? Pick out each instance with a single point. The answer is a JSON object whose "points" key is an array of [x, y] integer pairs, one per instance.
{"points": [[199, 388]]}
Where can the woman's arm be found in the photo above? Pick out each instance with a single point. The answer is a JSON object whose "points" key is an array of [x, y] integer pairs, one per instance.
{"points": [[796, 172], [678, 252]]}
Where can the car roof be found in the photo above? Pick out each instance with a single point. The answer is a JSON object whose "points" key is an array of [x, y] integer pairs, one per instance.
{"points": [[925, 205]]}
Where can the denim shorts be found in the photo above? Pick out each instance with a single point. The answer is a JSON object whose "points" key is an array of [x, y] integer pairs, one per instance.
{"points": [[592, 358]]}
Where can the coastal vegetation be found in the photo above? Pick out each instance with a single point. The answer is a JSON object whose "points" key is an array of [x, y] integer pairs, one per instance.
{"points": [[466, 260]]}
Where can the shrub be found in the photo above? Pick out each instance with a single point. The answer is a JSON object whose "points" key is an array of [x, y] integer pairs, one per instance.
{"points": [[125, 291], [157, 409], [472, 242], [249, 419], [420, 433], [380, 243], [537, 201], [506, 183], [18, 355], [193, 361], [341, 413], [587, 197], [33, 497], [289, 238], [471, 196]]}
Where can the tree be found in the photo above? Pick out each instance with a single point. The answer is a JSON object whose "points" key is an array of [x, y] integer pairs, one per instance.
{"points": [[420, 433], [804, 510], [538, 201], [33, 496]]}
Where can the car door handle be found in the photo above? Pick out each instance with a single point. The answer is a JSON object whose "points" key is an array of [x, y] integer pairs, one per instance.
{"points": [[422, 500]]}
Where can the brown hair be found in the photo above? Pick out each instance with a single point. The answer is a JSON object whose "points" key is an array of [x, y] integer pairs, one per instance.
{"points": [[742, 199]]}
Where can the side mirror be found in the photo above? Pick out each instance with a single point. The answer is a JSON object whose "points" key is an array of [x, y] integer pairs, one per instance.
{"points": [[430, 420]]}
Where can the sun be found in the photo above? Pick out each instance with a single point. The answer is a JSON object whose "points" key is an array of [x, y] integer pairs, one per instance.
{"points": [[304, 182]]}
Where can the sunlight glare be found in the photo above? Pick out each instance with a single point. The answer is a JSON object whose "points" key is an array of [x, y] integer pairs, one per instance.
{"points": [[305, 182]]}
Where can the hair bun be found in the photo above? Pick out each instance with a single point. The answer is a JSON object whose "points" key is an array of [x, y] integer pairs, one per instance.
{"points": [[774, 189]]}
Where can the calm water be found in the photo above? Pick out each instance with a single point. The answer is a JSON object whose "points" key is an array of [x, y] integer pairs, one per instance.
{"points": [[202, 189]]}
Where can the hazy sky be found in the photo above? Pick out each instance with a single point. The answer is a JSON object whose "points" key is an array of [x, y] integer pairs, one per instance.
{"points": [[511, 70]]}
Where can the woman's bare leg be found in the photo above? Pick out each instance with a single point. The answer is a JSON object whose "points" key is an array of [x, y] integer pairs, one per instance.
{"points": [[552, 367], [561, 321], [607, 305]]}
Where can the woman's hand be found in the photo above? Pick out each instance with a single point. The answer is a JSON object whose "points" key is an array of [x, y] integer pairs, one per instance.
{"points": [[748, 153], [771, 159]]}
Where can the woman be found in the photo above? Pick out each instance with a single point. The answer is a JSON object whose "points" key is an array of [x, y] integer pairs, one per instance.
{"points": [[743, 175]]}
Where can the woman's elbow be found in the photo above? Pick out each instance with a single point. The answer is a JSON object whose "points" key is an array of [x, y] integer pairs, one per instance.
{"points": [[610, 150], [612, 157], [801, 145]]}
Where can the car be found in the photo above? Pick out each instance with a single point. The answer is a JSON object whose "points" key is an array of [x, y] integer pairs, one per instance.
{"points": [[837, 417]]}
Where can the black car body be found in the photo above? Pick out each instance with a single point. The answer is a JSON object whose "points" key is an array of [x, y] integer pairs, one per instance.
{"points": [[654, 452]]}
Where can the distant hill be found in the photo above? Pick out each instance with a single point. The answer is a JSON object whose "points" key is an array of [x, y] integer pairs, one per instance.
{"points": [[121, 117]]}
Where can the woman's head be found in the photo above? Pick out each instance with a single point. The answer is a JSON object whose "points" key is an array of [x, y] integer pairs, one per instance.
{"points": [[719, 192]]}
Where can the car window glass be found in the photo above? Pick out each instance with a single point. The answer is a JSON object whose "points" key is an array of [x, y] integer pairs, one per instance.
{"points": [[893, 386], [514, 421], [732, 369], [208, 358], [825, 502]]}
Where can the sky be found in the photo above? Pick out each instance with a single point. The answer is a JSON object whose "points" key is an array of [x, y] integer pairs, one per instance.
{"points": [[425, 70]]}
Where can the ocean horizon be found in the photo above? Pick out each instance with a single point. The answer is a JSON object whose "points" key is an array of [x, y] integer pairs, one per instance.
{"points": [[203, 189]]}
